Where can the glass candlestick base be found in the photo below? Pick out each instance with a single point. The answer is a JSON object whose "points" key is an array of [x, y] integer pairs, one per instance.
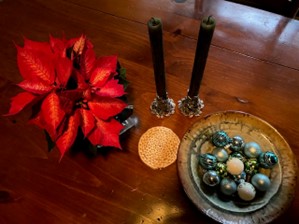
{"points": [[190, 106], [162, 107]]}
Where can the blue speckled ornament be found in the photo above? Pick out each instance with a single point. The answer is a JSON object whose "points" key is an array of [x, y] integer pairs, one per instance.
{"points": [[221, 154], [221, 169], [268, 160], [252, 149], [237, 143], [228, 186], [211, 178], [207, 161], [238, 155], [220, 139], [240, 177], [251, 166], [261, 182]]}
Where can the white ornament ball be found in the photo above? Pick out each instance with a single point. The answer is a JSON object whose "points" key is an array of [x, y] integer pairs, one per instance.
{"points": [[235, 166], [246, 191]]}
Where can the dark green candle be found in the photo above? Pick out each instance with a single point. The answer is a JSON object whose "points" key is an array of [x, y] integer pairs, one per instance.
{"points": [[156, 39], [205, 35]]}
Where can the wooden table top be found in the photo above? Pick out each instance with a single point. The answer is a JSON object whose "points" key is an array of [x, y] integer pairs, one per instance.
{"points": [[252, 67]]}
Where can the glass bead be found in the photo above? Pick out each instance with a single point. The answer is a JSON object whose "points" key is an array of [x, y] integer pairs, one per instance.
{"points": [[251, 166], [240, 177]]}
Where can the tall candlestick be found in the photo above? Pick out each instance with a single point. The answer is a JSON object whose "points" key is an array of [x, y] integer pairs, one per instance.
{"points": [[156, 40], [203, 45]]}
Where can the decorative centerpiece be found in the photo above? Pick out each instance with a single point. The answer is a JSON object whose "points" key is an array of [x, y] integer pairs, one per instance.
{"points": [[72, 92], [239, 169]]}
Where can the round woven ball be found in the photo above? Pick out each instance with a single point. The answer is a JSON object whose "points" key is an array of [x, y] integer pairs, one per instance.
{"points": [[158, 147]]}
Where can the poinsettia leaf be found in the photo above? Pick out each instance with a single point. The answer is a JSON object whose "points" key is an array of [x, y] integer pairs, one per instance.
{"points": [[105, 107], [122, 77], [80, 80], [79, 45], [66, 140], [100, 76], [35, 65], [68, 99], [52, 112], [105, 67], [112, 89], [87, 122], [19, 102], [63, 70], [37, 46], [58, 46], [35, 86], [87, 62], [95, 136], [111, 128]]}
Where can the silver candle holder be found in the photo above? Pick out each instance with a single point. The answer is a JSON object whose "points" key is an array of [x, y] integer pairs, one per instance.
{"points": [[162, 107], [191, 106]]}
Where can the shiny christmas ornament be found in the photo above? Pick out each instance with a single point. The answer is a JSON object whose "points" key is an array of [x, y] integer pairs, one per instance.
{"points": [[228, 186], [251, 166], [221, 169], [240, 177], [238, 155], [211, 178], [207, 161], [237, 143], [235, 166], [261, 182], [252, 149], [268, 160], [246, 191], [220, 139], [221, 154]]}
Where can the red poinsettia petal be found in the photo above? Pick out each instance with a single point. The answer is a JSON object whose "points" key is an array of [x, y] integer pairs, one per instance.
{"points": [[38, 121], [64, 68], [79, 45], [19, 102], [104, 107], [66, 140], [37, 46], [35, 86], [58, 46], [88, 121], [111, 130], [52, 112], [105, 67], [87, 62], [112, 89], [95, 136], [35, 65]]}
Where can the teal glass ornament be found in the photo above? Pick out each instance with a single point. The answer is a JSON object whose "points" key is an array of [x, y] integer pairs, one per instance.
{"points": [[221, 154], [261, 182], [220, 139], [252, 149], [237, 143], [211, 178], [228, 186], [268, 160], [207, 161], [240, 177]]}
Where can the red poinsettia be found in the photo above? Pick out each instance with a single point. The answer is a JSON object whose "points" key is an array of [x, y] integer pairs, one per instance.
{"points": [[70, 89]]}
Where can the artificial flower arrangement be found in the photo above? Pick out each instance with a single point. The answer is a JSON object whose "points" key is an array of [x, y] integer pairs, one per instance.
{"points": [[71, 91]]}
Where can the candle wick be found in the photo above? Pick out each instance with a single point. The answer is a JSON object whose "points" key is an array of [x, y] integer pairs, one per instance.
{"points": [[208, 21], [155, 21]]}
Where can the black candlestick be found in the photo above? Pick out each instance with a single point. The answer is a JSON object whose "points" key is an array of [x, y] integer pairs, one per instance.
{"points": [[162, 105], [156, 40], [203, 45]]}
